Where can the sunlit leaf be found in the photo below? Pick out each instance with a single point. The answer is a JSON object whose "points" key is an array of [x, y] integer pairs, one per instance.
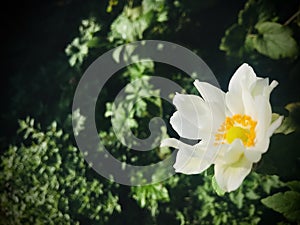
{"points": [[274, 40]]}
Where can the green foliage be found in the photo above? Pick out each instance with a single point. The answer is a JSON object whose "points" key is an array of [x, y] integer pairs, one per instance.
{"points": [[290, 122], [132, 111], [287, 203], [111, 4], [256, 29], [45, 181], [294, 185], [131, 24], [273, 40], [79, 48], [149, 196], [78, 121], [44, 178], [204, 206]]}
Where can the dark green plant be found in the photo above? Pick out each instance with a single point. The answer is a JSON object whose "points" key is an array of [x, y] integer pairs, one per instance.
{"points": [[45, 180], [258, 29]]}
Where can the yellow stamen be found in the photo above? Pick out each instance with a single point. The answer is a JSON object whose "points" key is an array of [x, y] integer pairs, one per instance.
{"points": [[237, 126]]}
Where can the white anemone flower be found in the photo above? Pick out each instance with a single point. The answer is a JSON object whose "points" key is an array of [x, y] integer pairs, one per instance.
{"points": [[234, 128]]}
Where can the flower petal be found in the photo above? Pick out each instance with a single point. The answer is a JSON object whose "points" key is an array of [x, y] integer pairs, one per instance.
{"points": [[215, 99], [191, 107], [173, 143], [188, 163], [274, 126], [190, 159], [262, 87], [252, 155], [249, 104], [264, 116], [273, 85], [234, 103], [230, 153], [217, 117], [262, 145], [210, 93], [259, 86], [230, 176], [184, 127], [243, 77]]}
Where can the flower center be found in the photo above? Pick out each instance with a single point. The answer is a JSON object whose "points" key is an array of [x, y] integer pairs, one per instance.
{"points": [[237, 132], [237, 126]]}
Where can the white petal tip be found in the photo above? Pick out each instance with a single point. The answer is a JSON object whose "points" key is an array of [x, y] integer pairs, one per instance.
{"points": [[246, 65], [196, 81], [183, 170], [169, 142], [273, 84]]}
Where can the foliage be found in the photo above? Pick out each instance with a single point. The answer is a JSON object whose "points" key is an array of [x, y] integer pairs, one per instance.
{"points": [[287, 203], [79, 121], [290, 122], [79, 48], [273, 40], [44, 181], [149, 196], [44, 178], [131, 24], [258, 30], [199, 204]]}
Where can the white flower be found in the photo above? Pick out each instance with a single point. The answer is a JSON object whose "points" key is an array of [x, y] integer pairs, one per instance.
{"points": [[234, 128]]}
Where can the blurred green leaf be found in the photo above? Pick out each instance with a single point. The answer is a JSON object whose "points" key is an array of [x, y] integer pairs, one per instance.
{"points": [[287, 203], [274, 40], [294, 185], [233, 40], [236, 42], [291, 122], [255, 11]]}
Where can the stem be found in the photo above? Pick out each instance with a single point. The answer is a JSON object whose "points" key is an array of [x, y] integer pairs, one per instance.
{"points": [[292, 18]]}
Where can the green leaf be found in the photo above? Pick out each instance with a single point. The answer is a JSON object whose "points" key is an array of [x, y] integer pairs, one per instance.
{"points": [[252, 195], [236, 42], [291, 122], [237, 198], [180, 217], [254, 11], [287, 203], [270, 182], [78, 121], [116, 54], [274, 40], [216, 187], [233, 40], [286, 127], [294, 185]]}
